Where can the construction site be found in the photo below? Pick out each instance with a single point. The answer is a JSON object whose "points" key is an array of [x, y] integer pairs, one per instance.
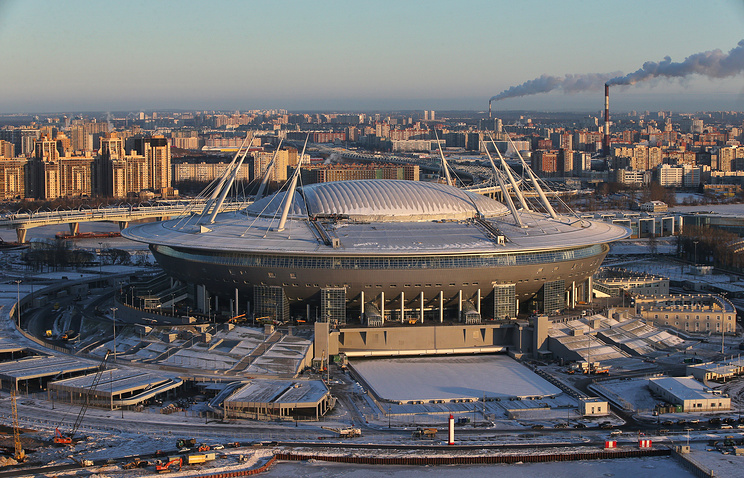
{"points": [[153, 386]]}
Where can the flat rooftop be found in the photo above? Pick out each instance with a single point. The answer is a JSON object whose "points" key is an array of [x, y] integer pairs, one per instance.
{"points": [[8, 346], [291, 392], [43, 366], [451, 378], [684, 388], [114, 381]]}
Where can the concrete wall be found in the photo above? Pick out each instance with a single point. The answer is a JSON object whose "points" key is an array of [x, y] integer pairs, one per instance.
{"points": [[425, 339]]}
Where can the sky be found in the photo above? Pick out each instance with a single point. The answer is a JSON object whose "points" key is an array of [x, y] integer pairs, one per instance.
{"points": [[86, 55]]}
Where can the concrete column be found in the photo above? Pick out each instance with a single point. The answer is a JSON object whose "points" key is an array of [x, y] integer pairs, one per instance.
{"points": [[362, 299], [441, 306], [382, 306], [201, 298], [74, 228], [21, 235], [421, 309], [236, 302], [589, 290], [123, 225], [459, 305], [573, 294], [478, 301], [402, 307]]}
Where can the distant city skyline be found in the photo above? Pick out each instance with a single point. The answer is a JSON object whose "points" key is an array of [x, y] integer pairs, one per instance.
{"points": [[348, 56]]}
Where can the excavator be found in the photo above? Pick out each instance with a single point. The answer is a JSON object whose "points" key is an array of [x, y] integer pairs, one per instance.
{"points": [[167, 466], [66, 438]]}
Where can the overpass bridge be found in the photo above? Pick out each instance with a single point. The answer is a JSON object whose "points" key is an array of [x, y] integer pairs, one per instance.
{"points": [[22, 222]]}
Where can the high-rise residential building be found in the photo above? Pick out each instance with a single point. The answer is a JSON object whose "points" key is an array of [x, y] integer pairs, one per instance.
{"points": [[284, 158], [7, 149], [156, 150], [726, 158], [63, 144], [148, 167], [84, 135], [46, 149], [323, 173], [13, 178], [205, 172], [545, 162], [110, 167], [22, 139], [670, 176], [566, 162], [75, 176]]}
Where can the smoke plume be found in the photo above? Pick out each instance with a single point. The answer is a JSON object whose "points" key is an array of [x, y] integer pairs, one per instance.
{"points": [[568, 83], [333, 158], [713, 64]]}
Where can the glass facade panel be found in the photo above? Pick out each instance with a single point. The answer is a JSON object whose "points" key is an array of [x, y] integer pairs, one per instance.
{"points": [[271, 301], [504, 301], [333, 305], [288, 261]]}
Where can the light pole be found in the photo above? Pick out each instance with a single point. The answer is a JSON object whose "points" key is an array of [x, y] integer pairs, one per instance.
{"points": [[723, 318], [113, 310], [18, 302], [695, 243]]}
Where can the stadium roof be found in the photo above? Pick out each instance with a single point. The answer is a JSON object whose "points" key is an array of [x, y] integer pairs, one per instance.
{"points": [[386, 200], [390, 217]]}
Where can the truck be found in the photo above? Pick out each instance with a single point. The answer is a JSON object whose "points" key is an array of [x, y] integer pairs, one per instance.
{"points": [[185, 442], [429, 433], [348, 432], [588, 368]]}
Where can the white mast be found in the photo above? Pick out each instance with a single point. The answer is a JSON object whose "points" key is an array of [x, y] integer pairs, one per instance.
{"points": [[289, 196], [444, 161], [224, 177], [267, 173], [504, 191], [228, 185], [539, 190], [512, 181]]}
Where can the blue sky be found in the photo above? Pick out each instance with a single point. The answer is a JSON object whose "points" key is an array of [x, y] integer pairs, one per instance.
{"points": [[79, 55]]}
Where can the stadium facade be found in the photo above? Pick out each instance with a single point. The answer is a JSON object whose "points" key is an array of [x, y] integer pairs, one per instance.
{"points": [[382, 250]]}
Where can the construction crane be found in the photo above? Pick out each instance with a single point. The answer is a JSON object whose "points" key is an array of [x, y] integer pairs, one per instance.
{"points": [[19, 455], [66, 439]]}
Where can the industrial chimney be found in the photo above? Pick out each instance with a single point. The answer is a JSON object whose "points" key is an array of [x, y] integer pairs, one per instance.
{"points": [[606, 138], [489, 109]]}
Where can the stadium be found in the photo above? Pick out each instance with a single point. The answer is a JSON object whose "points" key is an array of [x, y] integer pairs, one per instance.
{"points": [[382, 250]]}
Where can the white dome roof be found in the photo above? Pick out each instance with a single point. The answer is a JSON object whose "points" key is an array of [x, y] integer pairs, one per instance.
{"points": [[382, 200]]}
